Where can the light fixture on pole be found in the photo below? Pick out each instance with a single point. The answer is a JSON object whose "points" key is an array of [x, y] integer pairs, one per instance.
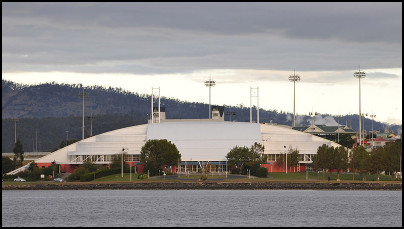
{"points": [[293, 78], [210, 83], [359, 75], [83, 95], [312, 114], [124, 150]]}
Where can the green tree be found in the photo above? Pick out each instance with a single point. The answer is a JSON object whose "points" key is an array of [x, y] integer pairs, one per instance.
{"points": [[281, 160], [293, 157], [159, 154], [18, 153], [7, 165], [321, 159], [394, 152], [116, 164], [377, 162], [244, 158], [359, 160], [238, 156], [346, 140], [338, 159]]}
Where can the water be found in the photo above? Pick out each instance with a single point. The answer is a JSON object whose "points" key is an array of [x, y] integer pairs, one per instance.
{"points": [[201, 208]]}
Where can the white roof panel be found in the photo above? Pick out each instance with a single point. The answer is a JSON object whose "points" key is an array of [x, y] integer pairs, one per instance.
{"points": [[205, 141]]}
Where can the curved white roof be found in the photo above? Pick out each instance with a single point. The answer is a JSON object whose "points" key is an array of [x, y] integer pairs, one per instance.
{"points": [[205, 141], [195, 140]]}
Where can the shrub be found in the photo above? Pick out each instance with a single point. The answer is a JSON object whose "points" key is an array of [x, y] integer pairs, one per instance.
{"points": [[142, 176], [235, 171], [261, 172]]}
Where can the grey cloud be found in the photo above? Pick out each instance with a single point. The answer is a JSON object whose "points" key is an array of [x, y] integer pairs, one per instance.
{"points": [[184, 37]]}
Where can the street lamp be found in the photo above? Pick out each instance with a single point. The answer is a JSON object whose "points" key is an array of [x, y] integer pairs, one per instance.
{"points": [[83, 95], [359, 75], [286, 158], [294, 78], [210, 83], [123, 151]]}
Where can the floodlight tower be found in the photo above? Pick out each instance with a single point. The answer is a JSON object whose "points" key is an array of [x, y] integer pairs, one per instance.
{"points": [[83, 95], [294, 78], [254, 92], [359, 75], [153, 114], [210, 83]]}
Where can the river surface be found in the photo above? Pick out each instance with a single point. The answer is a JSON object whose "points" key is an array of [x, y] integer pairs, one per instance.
{"points": [[201, 208]]}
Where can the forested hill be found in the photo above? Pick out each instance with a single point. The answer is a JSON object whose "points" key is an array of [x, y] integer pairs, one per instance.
{"points": [[62, 100], [47, 111]]}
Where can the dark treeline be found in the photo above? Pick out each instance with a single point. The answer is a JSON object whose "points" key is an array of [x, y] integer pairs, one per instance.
{"points": [[51, 109]]}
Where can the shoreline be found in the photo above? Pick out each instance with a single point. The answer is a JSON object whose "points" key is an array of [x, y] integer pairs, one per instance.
{"points": [[208, 186]]}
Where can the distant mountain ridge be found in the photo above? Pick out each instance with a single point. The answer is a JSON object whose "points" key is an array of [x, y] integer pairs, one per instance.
{"points": [[52, 109]]}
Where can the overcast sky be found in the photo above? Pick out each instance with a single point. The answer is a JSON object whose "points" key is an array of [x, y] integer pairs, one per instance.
{"points": [[178, 46]]}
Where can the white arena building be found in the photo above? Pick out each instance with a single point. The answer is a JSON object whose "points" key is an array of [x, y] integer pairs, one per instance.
{"points": [[198, 141]]}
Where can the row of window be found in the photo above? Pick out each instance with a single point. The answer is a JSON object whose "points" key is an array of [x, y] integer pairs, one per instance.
{"points": [[302, 157]]}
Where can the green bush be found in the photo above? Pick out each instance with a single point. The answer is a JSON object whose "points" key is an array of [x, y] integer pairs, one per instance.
{"points": [[235, 171], [142, 176], [97, 174], [261, 172]]}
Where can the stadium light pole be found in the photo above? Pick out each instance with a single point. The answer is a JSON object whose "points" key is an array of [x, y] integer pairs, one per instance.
{"points": [[293, 78], [210, 83], [83, 95], [359, 75], [91, 118], [15, 129]]}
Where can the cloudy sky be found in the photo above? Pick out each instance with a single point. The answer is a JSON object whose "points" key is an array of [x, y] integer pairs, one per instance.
{"points": [[178, 46]]}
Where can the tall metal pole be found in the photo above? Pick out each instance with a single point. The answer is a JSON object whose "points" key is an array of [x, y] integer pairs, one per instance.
{"points": [[152, 111], [360, 75], [258, 104], [15, 130], [210, 83], [83, 95], [250, 105], [286, 156], [122, 162], [91, 118], [294, 78]]}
